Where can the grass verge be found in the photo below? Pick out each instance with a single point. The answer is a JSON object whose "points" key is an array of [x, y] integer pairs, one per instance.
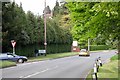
{"points": [[4, 64], [109, 70], [52, 56]]}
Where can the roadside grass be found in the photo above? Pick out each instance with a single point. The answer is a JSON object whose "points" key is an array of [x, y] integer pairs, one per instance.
{"points": [[4, 64], [109, 70], [115, 57], [52, 56]]}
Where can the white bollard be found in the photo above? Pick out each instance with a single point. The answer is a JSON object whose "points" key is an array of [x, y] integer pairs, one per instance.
{"points": [[95, 69], [100, 61], [94, 76], [97, 63]]}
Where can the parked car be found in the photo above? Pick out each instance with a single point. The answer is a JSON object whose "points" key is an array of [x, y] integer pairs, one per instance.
{"points": [[84, 52], [13, 57]]}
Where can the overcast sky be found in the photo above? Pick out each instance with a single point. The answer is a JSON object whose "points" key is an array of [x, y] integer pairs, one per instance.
{"points": [[35, 6]]}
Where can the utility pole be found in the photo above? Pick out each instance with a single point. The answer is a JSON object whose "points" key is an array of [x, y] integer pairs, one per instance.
{"points": [[45, 43], [88, 44]]}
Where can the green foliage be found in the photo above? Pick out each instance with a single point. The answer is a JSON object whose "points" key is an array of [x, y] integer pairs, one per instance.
{"points": [[13, 23], [96, 47], [27, 29], [28, 50], [61, 14], [99, 47], [56, 9], [92, 19]]}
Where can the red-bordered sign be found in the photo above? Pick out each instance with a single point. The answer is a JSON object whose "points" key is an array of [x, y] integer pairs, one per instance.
{"points": [[13, 43]]}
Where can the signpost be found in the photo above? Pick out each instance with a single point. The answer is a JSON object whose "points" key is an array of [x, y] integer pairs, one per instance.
{"points": [[13, 45]]}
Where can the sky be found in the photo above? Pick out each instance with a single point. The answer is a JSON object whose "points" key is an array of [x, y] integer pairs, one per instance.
{"points": [[35, 6]]}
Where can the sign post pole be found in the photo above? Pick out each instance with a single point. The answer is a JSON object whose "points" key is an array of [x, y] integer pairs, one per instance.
{"points": [[13, 45], [13, 50]]}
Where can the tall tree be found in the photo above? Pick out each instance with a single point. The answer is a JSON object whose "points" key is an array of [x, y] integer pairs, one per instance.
{"points": [[13, 23], [56, 9], [92, 19]]}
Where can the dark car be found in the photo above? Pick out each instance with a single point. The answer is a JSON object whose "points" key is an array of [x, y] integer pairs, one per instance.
{"points": [[13, 57]]}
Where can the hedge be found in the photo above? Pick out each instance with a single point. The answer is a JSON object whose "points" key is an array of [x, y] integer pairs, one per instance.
{"points": [[96, 47], [28, 50]]}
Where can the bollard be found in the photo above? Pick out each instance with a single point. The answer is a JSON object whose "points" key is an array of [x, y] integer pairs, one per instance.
{"points": [[95, 68], [99, 59], [94, 76], [97, 63]]}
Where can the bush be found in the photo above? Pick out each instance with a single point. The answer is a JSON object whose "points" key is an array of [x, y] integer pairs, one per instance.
{"points": [[99, 47], [96, 47], [51, 48]]}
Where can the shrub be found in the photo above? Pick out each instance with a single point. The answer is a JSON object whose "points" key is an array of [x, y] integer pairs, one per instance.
{"points": [[51, 48], [99, 47], [96, 47]]}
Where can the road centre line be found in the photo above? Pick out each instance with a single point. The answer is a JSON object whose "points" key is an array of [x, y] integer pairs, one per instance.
{"points": [[32, 74], [37, 73]]}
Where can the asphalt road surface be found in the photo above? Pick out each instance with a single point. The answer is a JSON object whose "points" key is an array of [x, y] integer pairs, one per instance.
{"points": [[68, 67]]}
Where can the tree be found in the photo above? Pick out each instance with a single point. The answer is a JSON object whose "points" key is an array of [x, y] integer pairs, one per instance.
{"points": [[47, 9], [13, 23], [28, 29], [92, 19], [56, 9]]}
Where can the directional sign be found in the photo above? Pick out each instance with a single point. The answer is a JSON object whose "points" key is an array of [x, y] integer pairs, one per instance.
{"points": [[42, 51]]}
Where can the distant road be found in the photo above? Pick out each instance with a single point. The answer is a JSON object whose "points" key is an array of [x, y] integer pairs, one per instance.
{"points": [[68, 67]]}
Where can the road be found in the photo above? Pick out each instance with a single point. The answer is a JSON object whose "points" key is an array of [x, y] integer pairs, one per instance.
{"points": [[68, 67]]}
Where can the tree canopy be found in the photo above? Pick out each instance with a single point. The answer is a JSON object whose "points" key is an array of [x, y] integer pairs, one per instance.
{"points": [[93, 19], [27, 28]]}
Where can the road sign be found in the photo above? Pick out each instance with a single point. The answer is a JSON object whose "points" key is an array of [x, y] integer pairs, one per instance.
{"points": [[75, 43], [13, 43], [42, 51]]}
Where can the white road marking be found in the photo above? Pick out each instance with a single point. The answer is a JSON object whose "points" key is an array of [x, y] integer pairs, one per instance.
{"points": [[33, 74], [44, 70], [37, 73], [21, 77]]}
